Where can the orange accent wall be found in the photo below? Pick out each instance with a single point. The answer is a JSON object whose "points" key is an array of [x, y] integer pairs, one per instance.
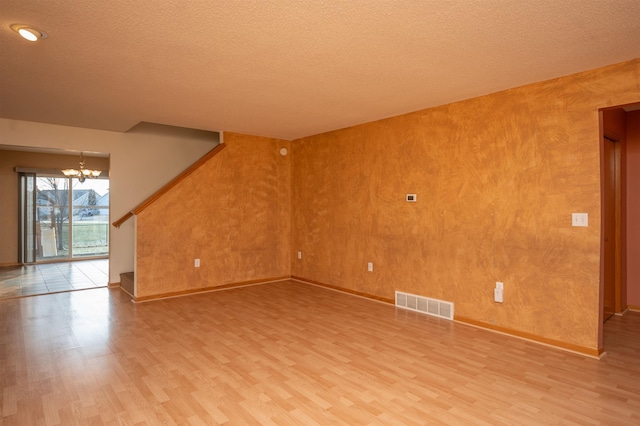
{"points": [[496, 177], [633, 208], [233, 213]]}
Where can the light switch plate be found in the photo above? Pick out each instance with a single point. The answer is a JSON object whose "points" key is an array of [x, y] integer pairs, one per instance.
{"points": [[579, 219]]}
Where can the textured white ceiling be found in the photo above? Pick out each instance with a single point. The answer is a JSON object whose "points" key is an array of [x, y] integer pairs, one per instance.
{"points": [[291, 68]]}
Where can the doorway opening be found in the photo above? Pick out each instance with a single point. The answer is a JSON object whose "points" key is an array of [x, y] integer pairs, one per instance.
{"points": [[620, 201]]}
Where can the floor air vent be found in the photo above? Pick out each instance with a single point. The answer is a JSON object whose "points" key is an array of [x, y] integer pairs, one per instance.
{"points": [[426, 305]]}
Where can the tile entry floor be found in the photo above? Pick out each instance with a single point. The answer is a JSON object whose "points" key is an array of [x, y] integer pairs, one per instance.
{"points": [[31, 280]]}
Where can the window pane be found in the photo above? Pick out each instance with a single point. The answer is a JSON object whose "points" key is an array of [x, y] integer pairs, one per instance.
{"points": [[90, 217]]}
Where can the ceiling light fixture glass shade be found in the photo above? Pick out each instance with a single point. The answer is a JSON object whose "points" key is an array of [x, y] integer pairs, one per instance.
{"points": [[83, 173], [27, 32]]}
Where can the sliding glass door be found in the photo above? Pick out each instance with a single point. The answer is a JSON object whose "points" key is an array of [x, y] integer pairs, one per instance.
{"points": [[69, 219]]}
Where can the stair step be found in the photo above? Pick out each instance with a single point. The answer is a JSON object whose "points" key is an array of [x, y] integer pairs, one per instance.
{"points": [[127, 282]]}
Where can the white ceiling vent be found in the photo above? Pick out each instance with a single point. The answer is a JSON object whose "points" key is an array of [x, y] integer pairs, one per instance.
{"points": [[426, 305]]}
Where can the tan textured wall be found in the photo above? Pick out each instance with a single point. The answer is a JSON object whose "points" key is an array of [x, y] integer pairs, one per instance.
{"points": [[496, 177], [233, 213]]}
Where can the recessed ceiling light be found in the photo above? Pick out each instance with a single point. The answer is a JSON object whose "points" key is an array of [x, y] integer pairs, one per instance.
{"points": [[27, 32]]}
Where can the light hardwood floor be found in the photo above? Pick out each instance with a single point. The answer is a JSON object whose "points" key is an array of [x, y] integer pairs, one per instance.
{"points": [[292, 353]]}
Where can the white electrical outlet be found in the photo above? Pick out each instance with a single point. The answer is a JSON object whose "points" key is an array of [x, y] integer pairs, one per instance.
{"points": [[196, 263], [370, 266], [299, 255]]}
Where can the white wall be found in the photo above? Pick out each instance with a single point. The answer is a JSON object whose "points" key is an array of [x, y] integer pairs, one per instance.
{"points": [[141, 161]]}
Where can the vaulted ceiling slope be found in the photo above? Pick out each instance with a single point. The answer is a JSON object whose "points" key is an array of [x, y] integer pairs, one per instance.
{"points": [[291, 68]]}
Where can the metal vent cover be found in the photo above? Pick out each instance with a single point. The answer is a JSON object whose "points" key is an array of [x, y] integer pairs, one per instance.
{"points": [[425, 305]]}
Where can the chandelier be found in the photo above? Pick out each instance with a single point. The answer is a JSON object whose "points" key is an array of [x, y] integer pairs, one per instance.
{"points": [[83, 173]]}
